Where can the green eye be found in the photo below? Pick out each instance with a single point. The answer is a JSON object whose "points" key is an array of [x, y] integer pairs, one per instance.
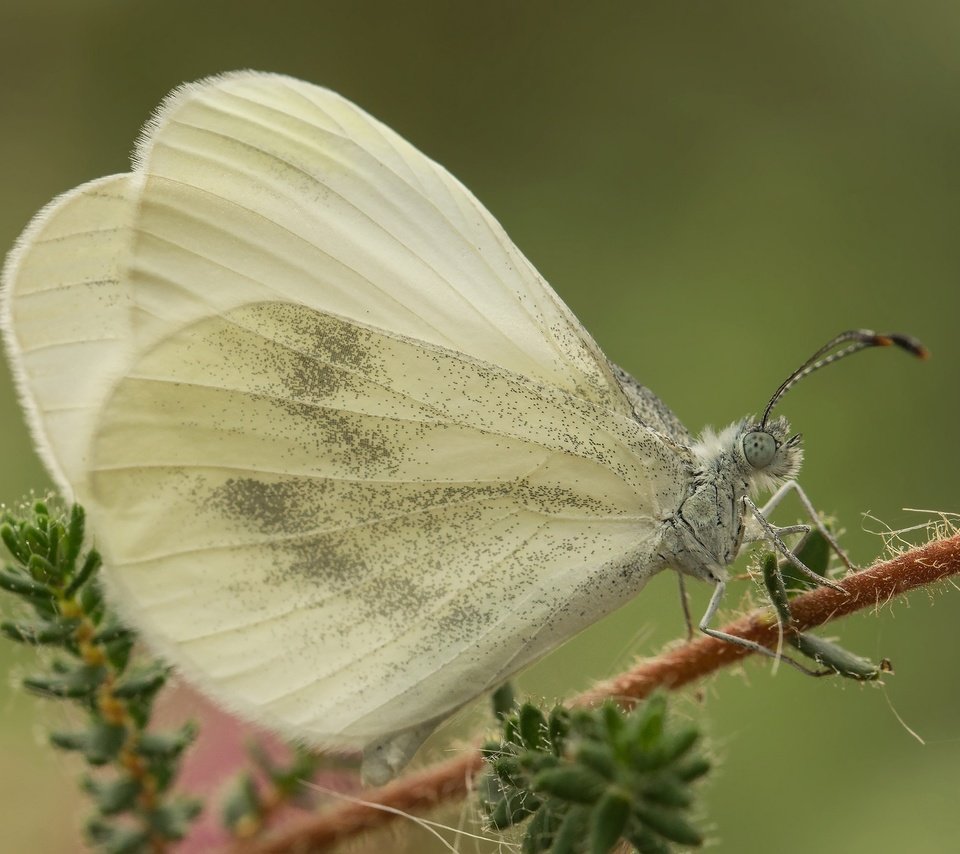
{"points": [[759, 448]]}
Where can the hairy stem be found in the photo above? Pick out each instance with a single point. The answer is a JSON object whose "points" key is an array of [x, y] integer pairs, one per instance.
{"points": [[451, 780]]}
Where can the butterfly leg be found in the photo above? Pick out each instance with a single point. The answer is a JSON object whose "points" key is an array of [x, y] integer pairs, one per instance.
{"points": [[685, 604], [710, 613], [794, 486], [773, 535], [385, 758]]}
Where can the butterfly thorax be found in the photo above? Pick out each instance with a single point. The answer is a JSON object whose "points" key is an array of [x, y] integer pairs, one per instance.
{"points": [[706, 531]]}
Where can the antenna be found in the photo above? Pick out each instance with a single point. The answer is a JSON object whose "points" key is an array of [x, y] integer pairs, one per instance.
{"points": [[862, 339]]}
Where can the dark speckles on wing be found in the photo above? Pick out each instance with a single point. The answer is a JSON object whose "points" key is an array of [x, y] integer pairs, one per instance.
{"points": [[344, 427], [328, 560], [270, 507], [365, 448], [323, 355], [294, 353], [390, 499], [560, 499], [463, 620]]}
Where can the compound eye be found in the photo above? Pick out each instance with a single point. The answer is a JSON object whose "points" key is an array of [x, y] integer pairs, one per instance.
{"points": [[759, 448]]}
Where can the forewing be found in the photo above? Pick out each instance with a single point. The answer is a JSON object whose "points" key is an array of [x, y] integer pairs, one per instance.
{"points": [[66, 317], [260, 187], [351, 532]]}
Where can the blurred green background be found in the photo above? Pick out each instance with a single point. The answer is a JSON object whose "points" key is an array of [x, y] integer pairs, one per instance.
{"points": [[714, 189]]}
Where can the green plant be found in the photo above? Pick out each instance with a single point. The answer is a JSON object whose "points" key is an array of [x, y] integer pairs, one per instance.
{"points": [[587, 778], [130, 767], [784, 583]]}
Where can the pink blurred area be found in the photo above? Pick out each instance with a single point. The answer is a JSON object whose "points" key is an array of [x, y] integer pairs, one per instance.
{"points": [[220, 755]]}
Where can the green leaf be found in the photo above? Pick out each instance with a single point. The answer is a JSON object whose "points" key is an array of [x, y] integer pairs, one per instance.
{"points": [[513, 808], [507, 768], [35, 539], [573, 783], [673, 745], [776, 591], [503, 701], [814, 553], [40, 631], [533, 726], [118, 839], [534, 763], [91, 565], [692, 769], [607, 822], [90, 597], [835, 657], [113, 796], [113, 631], [118, 651], [664, 791], [14, 544], [76, 683], [646, 727], [612, 720], [104, 742], [166, 745], [541, 830], [100, 744], [172, 819], [145, 683], [668, 824], [644, 841], [572, 832], [242, 802], [558, 726], [74, 538], [42, 570], [15, 581], [70, 740], [598, 757], [53, 553]]}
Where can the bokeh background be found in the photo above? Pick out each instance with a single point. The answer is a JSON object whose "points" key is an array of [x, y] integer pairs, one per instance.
{"points": [[715, 189]]}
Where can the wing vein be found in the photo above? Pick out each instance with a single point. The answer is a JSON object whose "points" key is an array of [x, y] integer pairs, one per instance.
{"points": [[466, 300]]}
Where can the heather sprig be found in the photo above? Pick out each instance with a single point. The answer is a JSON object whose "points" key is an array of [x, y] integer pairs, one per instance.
{"points": [[131, 768], [585, 779]]}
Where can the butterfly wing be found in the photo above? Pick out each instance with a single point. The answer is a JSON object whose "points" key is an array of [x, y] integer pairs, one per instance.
{"points": [[66, 318], [352, 461], [354, 532], [652, 411], [264, 187]]}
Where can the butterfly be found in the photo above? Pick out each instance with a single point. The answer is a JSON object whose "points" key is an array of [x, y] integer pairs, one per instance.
{"points": [[349, 459]]}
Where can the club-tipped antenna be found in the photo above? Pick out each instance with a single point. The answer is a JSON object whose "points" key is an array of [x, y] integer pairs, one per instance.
{"points": [[861, 339]]}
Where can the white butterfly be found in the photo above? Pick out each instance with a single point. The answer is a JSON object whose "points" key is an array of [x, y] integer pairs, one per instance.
{"points": [[350, 461]]}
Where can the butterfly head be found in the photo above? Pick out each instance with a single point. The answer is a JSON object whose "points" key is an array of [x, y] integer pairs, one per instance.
{"points": [[765, 454], [761, 450], [758, 456]]}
